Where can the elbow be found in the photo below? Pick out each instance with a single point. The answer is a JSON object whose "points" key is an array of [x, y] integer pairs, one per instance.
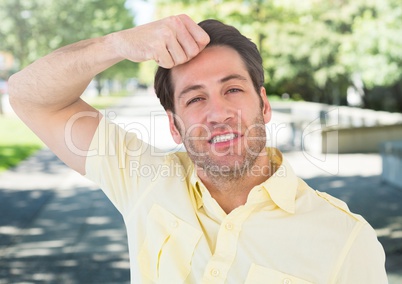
{"points": [[12, 85], [14, 94]]}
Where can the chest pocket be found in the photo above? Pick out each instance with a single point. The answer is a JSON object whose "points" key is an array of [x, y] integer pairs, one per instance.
{"points": [[165, 256], [262, 275]]}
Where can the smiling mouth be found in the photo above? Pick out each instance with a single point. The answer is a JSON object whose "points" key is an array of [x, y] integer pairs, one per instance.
{"points": [[223, 138]]}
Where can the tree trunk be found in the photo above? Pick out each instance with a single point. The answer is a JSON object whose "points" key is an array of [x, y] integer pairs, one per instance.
{"points": [[99, 84], [397, 92]]}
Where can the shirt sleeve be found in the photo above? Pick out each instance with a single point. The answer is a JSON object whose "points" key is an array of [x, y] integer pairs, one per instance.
{"points": [[115, 161], [365, 260]]}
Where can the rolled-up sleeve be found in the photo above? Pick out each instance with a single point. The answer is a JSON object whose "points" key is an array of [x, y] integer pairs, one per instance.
{"points": [[364, 260], [113, 162]]}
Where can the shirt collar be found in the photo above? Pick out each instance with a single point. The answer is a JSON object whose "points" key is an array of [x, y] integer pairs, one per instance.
{"points": [[281, 186], [198, 188]]}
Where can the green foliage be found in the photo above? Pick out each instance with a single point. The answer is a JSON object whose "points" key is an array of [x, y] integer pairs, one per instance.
{"points": [[17, 142], [11, 155], [310, 48], [313, 48], [31, 29], [374, 48], [104, 102]]}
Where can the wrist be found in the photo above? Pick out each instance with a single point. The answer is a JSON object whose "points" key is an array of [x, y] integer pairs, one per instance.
{"points": [[112, 46], [115, 46]]}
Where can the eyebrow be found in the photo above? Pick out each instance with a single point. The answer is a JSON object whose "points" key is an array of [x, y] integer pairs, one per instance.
{"points": [[189, 89], [199, 86], [233, 77]]}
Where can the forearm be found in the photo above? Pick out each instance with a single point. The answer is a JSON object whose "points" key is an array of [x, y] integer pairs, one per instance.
{"points": [[46, 94], [58, 79]]}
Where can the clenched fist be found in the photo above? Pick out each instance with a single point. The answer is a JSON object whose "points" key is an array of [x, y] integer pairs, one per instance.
{"points": [[171, 41]]}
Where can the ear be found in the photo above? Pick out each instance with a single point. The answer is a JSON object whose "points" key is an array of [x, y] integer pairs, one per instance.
{"points": [[266, 108], [172, 126]]}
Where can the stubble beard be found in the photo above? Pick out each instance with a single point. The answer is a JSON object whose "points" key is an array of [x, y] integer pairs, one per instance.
{"points": [[245, 160]]}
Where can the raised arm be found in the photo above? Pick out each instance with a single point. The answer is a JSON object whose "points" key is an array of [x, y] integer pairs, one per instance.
{"points": [[46, 94]]}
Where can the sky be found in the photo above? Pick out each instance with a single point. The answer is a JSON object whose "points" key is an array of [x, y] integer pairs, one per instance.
{"points": [[143, 10]]}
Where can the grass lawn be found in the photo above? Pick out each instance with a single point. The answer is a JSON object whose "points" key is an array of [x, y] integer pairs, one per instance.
{"points": [[17, 141], [103, 102]]}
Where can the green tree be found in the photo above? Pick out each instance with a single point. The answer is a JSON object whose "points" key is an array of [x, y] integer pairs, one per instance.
{"points": [[314, 48], [17, 29], [299, 51], [31, 29], [304, 53], [373, 51]]}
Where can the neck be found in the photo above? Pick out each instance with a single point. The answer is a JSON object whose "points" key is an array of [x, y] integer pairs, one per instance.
{"points": [[231, 190]]}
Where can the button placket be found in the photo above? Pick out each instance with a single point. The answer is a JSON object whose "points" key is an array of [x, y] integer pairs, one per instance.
{"points": [[229, 226], [215, 272], [226, 246], [287, 281]]}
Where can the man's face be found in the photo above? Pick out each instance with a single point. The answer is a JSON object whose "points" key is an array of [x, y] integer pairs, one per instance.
{"points": [[218, 115]]}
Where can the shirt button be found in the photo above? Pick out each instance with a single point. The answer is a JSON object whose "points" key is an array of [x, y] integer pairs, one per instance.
{"points": [[215, 272], [287, 281], [229, 226]]}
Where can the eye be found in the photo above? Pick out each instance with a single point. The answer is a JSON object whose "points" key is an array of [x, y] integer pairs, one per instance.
{"points": [[194, 100], [234, 90]]}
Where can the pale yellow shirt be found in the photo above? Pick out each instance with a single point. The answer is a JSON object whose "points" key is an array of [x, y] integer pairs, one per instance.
{"points": [[177, 233]]}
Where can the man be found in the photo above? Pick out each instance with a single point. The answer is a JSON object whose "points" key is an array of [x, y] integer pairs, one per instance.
{"points": [[228, 210]]}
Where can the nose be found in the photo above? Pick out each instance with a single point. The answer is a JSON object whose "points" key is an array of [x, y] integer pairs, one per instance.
{"points": [[219, 111]]}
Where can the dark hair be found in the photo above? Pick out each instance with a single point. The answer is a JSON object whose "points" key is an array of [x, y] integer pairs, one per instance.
{"points": [[220, 35]]}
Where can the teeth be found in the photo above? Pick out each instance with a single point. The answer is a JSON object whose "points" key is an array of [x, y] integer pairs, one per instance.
{"points": [[223, 138]]}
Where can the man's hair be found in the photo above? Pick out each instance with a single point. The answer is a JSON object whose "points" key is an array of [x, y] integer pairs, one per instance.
{"points": [[220, 35]]}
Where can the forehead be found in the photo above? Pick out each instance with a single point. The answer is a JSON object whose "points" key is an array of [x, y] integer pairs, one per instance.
{"points": [[213, 63]]}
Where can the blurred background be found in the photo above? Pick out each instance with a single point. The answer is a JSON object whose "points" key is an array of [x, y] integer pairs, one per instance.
{"points": [[330, 51], [334, 79]]}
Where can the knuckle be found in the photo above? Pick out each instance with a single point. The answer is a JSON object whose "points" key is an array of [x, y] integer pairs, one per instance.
{"points": [[181, 61], [175, 20], [184, 17], [192, 52], [168, 65], [204, 40], [166, 33]]}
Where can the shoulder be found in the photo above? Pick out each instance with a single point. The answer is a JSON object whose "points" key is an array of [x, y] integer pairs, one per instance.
{"points": [[339, 205], [323, 202]]}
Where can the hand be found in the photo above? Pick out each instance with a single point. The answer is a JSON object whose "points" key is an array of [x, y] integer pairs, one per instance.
{"points": [[170, 42]]}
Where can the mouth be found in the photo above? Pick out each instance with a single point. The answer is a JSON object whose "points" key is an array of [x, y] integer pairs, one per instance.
{"points": [[223, 138]]}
